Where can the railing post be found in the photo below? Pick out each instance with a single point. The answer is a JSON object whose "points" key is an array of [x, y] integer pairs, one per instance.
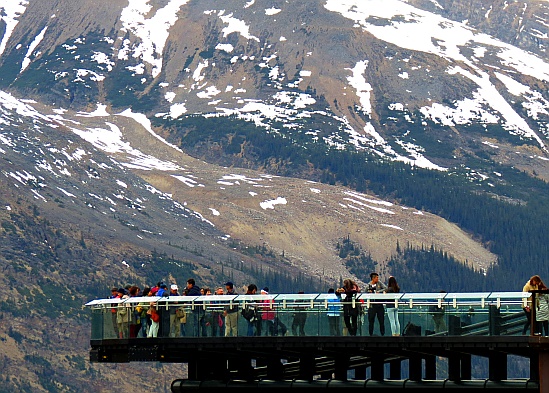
{"points": [[454, 325], [533, 324], [395, 369], [494, 324]]}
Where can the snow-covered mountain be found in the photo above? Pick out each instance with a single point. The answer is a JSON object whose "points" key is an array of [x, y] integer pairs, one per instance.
{"points": [[394, 77]]}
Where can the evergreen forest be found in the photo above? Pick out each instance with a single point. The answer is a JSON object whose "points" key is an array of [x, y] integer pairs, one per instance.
{"points": [[509, 217]]}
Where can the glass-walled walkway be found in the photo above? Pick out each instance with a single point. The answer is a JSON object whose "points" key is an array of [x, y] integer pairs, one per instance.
{"points": [[314, 314]]}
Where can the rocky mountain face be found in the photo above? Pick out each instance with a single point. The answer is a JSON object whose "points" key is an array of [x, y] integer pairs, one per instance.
{"points": [[134, 140]]}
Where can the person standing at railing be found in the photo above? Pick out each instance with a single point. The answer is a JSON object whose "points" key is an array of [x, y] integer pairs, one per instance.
{"points": [[155, 320], [392, 311], [376, 309], [114, 311], [193, 290], [206, 315], [135, 320], [531, 285], [467, 319], [251, 315], [218, 321], [231, 313], [542, 310], [351, 306], [142, 311], [334, 315], [175, 328], [300, 318], [123, 316], [439, 316], [267, 314]]}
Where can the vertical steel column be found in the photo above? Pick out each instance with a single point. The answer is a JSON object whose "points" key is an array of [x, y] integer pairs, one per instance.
{"points": [[431, 367], [192, 370], [414, 368], [242, 367], [454, 367], [306, 367], [497, 366], [360, 372], [275, 369], [465, 360], [378, 368], [214, 368], [543, 371], [395, 369], [341, 367], [535, 366]]}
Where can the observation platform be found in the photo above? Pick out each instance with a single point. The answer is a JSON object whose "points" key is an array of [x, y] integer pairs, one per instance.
{"points": [[442, 337]]}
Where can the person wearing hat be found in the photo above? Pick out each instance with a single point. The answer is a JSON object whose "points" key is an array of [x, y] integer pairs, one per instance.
{"points": [[231, 313], [163, 290], [174, 321]]}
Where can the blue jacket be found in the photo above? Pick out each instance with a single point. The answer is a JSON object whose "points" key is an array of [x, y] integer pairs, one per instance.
{"points": [[161, 292]]}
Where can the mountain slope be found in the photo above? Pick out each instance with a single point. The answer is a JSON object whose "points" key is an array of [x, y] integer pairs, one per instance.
{"points": [[162, 139]]}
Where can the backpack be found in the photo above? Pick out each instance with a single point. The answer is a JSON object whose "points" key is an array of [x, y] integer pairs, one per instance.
{"points": [[248, 313], [411, 330]]}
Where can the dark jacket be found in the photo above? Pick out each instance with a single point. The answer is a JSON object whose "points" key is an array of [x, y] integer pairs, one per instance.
{"points": [[234, 308], [194, 291], [348, 308], [391, 304]]}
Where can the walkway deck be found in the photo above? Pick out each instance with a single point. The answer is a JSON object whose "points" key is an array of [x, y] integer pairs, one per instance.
{"points": [[318, 360]]}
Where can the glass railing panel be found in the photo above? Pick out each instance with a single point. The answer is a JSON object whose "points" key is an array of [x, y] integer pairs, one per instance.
{"points": [[297, 313], [98, 321], [507, 315], [482, 313]]}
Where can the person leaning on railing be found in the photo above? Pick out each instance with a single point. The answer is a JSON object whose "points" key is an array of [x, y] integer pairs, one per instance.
{"points": [[350, 305], [531, 285], [392, 311]]}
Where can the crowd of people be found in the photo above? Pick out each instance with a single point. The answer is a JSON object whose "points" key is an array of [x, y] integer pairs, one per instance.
{"points": [[151, 319]]}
